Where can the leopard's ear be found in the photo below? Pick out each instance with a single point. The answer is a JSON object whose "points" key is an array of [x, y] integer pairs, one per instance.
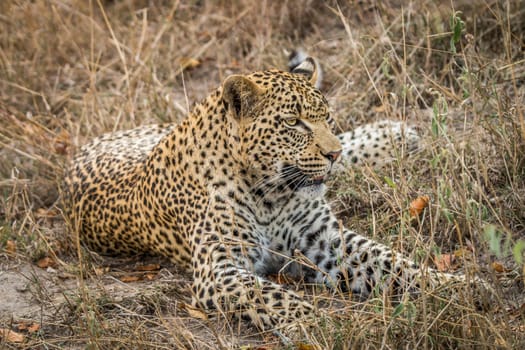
{"points": [[308, 68], [240, 95]]}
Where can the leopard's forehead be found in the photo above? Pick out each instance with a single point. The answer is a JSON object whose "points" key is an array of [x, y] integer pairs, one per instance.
{"points": [[292, 93]]}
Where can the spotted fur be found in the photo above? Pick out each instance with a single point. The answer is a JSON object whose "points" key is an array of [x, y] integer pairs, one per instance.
{"points": [[234, 193]]}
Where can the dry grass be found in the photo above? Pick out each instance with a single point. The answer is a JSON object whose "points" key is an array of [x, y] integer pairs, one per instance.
{"points": [[71, 70]]}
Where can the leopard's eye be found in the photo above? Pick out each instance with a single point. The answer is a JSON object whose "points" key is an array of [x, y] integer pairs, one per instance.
{"points": [[291, 121]]}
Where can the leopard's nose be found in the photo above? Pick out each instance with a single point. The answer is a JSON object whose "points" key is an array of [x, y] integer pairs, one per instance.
{"points": [[333, 155]]}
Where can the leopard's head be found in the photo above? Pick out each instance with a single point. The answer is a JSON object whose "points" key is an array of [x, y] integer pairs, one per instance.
{"points": [[283, 130]]}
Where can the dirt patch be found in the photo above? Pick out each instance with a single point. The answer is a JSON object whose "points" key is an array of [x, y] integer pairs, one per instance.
{"points": [[61, 304], [21, 286]]}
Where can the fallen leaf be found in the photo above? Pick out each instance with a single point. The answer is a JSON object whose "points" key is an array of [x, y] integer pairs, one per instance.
{"points": [[45, 262], [235, 63], [204, 34], [66, 275], [194, 312], [62, 142], [10, 336], [462, 252], [444, 262], [10, 247], [516, 312], [46, 213], [22, 325], [150, 276], [150, 267], [99, 271], [379, 109], [127, 279], [417, 205], [303, 346], [498, 267], [31, 327], [189, 63], [281, 278]]}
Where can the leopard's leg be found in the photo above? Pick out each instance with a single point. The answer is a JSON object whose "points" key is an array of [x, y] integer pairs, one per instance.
{"points": [[349, 261], [377, 144], [224, 281]]}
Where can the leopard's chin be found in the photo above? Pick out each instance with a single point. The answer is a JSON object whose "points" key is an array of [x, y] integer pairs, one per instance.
{"points": [[312, 191]]}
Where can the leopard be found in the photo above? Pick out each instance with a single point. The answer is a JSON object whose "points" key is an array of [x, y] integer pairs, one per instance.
{"points": [[235, 193]]}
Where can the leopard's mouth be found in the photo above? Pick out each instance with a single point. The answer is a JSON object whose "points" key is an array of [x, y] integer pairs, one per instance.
{"points": [[319, 180], [296, 179]]}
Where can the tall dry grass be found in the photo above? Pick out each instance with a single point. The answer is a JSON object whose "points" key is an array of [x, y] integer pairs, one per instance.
{"points": [[71, 70]]}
